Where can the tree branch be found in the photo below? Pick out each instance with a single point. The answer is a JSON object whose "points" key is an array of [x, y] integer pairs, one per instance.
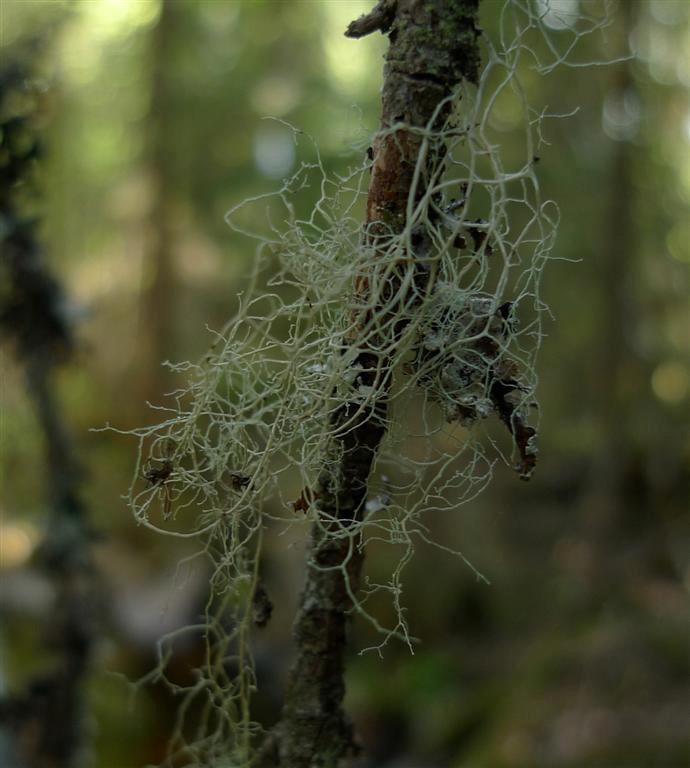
{"points": [[433, 46], [379, 18]]}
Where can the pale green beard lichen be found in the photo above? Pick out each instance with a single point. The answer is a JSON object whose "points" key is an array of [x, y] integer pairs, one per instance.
{"points": [[244, 440]]}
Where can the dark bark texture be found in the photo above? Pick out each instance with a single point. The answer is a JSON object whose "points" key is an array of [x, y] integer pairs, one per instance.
{"points": [[433, 46]]}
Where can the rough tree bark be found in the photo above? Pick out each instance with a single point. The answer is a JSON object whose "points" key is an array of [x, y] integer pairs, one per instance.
{"points": [[433, 47]]}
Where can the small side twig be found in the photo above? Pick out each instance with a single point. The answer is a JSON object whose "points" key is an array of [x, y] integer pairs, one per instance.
{"points": [[379, 18]]}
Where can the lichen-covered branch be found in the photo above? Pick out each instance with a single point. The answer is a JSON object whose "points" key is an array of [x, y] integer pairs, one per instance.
{"points": [[433, 46], [361, 361]]}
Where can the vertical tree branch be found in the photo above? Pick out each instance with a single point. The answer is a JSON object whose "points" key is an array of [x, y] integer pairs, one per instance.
{"points": [[433, 46]]}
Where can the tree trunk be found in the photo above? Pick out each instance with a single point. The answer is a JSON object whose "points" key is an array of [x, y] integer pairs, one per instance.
{"points": [[603, 503], [46, 720], [433, 46], [158, 300]]}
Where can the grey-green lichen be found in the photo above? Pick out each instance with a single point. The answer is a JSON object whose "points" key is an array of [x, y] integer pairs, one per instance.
{"points": [[401, 337]]}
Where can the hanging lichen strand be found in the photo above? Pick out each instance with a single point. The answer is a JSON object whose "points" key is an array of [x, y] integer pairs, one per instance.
{"points": [[412, 337]]}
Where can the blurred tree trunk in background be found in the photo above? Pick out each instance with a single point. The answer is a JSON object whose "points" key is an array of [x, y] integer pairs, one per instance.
{"points": [[618, 497], [46, 720], [617, 369], [433, 46], [159, 281]]}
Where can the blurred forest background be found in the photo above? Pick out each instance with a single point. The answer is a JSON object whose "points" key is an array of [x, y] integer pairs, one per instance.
{"points": [[150, 115]]}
